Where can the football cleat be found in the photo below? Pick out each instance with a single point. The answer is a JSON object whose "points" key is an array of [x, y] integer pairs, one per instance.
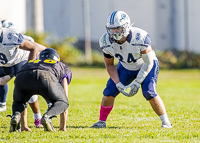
{"points": [[2, 108], [15, 122], [38, 123], [167, 126], [47, 123], [99, 124]]}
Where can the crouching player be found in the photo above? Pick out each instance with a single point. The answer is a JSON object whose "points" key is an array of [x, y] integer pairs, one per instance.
{"points": [[137, 63], [47, 77]]}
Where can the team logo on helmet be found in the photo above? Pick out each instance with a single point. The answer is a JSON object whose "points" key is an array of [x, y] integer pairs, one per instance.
{"points": [[123, 17]]}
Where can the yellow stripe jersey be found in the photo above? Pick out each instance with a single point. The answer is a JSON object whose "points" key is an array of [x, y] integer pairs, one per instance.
{"points": [[59, 69], [127, 53]]}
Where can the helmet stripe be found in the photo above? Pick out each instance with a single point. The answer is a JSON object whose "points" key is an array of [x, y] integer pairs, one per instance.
{"points": [[112, 17]]}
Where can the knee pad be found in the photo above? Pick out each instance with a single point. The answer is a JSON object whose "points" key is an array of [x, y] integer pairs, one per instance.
{"points": [[4, 80], [33, 99], [148, 95]]}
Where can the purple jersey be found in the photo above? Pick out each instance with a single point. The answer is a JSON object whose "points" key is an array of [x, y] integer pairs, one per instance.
{"points": [[59, 69]]}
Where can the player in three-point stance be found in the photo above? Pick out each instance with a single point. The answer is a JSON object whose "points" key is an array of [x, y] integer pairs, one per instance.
{"points": [[137, 63], [47, 77]]}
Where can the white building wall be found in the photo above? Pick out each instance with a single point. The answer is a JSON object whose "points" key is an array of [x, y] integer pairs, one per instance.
{"points": [[170, 23], [194, 25], [65, 17], [15, 11]]}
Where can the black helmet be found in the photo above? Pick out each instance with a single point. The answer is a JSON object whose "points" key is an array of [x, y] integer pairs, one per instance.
{"points": [[49, 53]]}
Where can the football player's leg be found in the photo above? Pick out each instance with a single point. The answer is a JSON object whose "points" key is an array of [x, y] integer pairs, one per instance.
{"points": [[3, 92], [54, 93], [34, 104], [22, 82], [3, 96], [59, 106], [110, 92], [57, 97], [18, 114], [149, 92], [48, 103], [19, 101]]}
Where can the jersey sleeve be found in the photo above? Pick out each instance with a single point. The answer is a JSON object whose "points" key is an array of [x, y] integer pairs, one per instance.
{"points": [[146, 42], [28, 38], [65, 73], [12, 37], [104, 43]]}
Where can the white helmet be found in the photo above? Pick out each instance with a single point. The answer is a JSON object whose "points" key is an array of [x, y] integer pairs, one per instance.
{"points": [[115, 20], [7, 24]]}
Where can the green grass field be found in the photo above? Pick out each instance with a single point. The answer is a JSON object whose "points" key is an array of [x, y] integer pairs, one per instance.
{"points": [[131, 120]]}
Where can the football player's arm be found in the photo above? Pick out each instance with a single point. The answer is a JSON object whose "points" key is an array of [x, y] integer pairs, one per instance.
{"points": [[147, 56], [111, 69], [41, 47], [30, 46], [64, 115]]}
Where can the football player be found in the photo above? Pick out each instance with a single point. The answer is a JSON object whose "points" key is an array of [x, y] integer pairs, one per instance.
{"points": [[137, 66], [47, 77], [33, 102], [15, 50]]}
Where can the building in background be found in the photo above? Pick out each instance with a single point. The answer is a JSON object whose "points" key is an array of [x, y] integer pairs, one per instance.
{"points": [[170, 23]]}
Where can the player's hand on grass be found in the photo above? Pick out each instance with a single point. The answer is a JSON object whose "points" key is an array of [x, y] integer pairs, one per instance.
{"points": [[26, 129], [121, 88]]}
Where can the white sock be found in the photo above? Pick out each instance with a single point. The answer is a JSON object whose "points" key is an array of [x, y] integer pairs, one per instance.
{"points": [[102, 121], [3, 103], [37, 116], [164, 118]]}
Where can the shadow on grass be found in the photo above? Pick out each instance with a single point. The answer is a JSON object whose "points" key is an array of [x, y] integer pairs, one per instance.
{"points": [[98, 128]]}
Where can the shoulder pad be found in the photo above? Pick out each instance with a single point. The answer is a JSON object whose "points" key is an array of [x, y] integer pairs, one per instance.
{"points": [[140, 37], [11, 37], [104, 41]]}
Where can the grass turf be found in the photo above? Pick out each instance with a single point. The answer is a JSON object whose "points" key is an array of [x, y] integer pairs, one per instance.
{"points": [[131, 120]]}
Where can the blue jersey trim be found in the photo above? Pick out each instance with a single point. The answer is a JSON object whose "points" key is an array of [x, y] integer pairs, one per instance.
{"points": [[1, 38], [129, 37], [140, 45]]}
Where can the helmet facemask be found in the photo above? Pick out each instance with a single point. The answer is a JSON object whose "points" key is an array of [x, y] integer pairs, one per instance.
{"points": [[116, 35]]}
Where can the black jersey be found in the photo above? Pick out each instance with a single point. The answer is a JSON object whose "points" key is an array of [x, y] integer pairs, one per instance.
{"points": [[59, 69]]}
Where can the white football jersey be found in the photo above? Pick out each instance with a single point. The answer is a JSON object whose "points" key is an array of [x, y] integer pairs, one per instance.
{"points": [[127, 53], [10, 53]]}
